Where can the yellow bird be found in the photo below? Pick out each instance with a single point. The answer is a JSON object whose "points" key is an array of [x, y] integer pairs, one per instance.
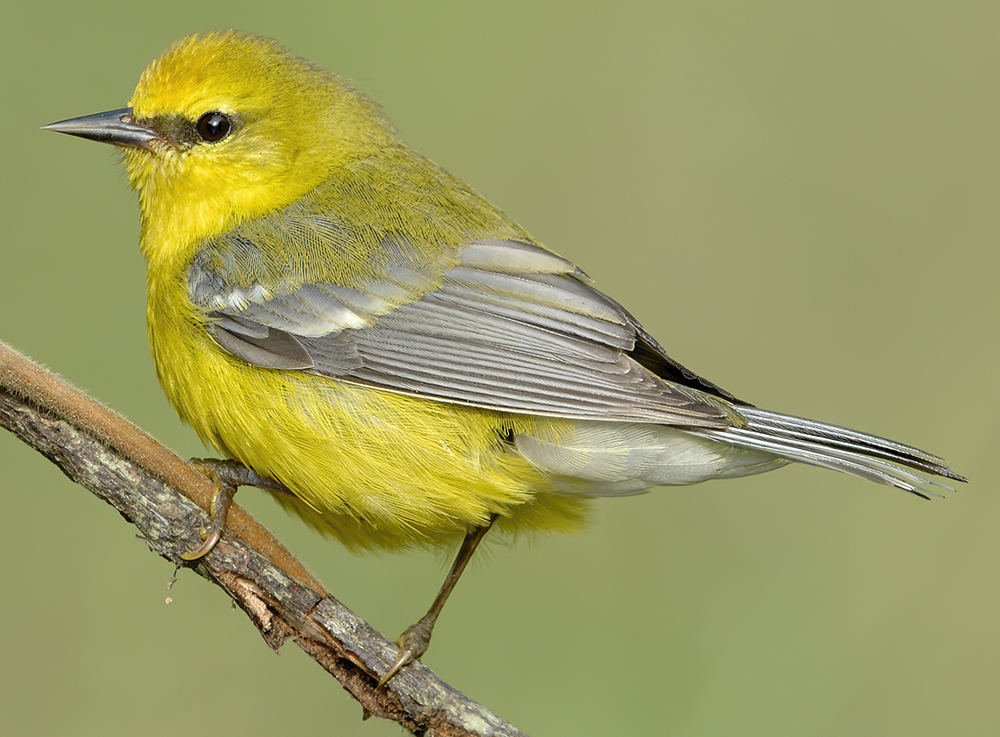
{"points": [[345, 318]]}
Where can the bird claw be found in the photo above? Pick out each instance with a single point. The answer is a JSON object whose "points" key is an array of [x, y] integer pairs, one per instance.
{"points": [[211, 540], [222, 500], [412, 644]]}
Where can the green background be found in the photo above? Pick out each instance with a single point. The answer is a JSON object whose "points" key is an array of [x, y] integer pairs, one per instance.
{"points": [[800, 200]]}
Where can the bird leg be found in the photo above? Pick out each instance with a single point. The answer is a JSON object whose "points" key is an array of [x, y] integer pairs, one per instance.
{"points": [[415, 639], [227, 476]]}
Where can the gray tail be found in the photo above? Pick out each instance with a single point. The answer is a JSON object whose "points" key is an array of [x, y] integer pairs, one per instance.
{"points": [[839, 448]]}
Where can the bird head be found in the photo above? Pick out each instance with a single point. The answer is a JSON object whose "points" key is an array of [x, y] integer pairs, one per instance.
{"points": [[227, 126]]}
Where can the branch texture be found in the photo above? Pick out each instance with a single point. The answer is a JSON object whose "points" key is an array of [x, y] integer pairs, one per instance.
{"points": [[153, 489]]}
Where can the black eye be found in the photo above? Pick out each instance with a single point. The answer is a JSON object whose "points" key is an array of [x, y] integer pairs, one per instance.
{"points": [[214, 126]]}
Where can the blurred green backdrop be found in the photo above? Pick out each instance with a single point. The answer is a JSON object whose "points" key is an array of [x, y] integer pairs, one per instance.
{"points": [[800, 200]]}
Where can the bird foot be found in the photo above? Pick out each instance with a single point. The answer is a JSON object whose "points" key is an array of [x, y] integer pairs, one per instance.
{"points": [[222, 499], [412, 644]]}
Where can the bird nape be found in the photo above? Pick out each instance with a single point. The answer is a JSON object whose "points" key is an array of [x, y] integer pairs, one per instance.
{"points": [[369, 337]]}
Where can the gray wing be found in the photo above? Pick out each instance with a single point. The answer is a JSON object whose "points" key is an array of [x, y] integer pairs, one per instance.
{"points": [[506, 326]]}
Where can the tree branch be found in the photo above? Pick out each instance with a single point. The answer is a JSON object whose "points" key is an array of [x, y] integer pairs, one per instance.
{"points": [[164, 497]]}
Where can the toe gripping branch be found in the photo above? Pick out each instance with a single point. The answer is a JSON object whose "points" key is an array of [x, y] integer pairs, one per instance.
{"points": [[227, 476], [416, 638]]}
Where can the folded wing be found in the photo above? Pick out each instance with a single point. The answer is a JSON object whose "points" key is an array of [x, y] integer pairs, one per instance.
{"points": [[504, 325]]}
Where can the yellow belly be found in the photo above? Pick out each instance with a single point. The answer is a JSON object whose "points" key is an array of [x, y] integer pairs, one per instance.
{"points": [[373, 468]]}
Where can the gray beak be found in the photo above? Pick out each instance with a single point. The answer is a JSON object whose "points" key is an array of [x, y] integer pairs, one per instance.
{"points": [[114, 126]]}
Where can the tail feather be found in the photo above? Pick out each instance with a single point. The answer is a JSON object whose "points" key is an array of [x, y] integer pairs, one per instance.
{"points": [[877, 459]]}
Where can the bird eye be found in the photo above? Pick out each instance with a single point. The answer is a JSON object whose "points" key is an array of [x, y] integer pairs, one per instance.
{"points": [[214, 126]]}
